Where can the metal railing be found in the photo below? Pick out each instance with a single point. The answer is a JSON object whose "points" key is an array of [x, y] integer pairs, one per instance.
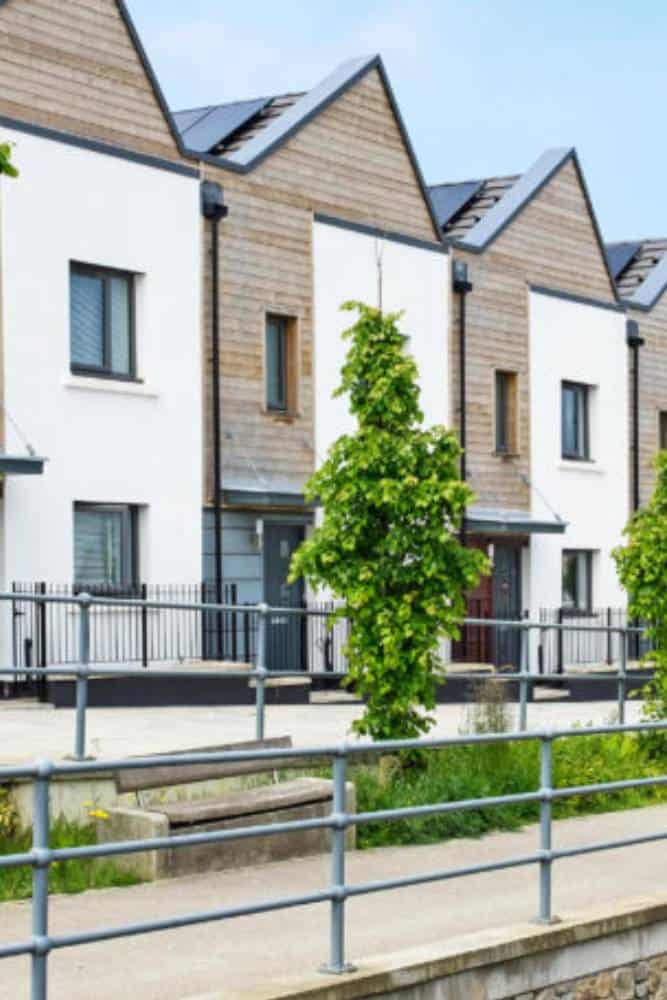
{"points": [[41, 856], [83, 671]]}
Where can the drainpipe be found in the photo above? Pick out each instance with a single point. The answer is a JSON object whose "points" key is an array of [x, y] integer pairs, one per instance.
{"points": [[462, 286], [634, 342], [214, 209]]}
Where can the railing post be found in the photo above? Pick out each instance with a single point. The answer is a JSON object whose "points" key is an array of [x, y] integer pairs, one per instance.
{"points": [[559, 643], [144, 626], [523, 684], [40, 883], [260, 679], [82, 677], [622, 676], [337, 964], [43, 659], [546, 788]]}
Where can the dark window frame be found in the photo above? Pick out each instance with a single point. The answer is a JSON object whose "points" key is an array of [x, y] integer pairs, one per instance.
{"points": [[106, 274], [583, 392], [281, 406], [129, 584], [662, 430], [575, 609], [505, 403]]}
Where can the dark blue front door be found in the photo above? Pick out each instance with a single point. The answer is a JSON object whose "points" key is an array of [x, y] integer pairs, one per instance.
{"points": [[285, 646]]}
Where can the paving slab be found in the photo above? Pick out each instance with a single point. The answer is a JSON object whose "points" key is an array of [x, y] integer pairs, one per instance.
{"points": [[27, 733], [238, 958]]}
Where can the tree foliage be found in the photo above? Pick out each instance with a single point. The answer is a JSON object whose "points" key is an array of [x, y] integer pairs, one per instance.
{"points": [[642, 569], [387, 547], [6, 165]]}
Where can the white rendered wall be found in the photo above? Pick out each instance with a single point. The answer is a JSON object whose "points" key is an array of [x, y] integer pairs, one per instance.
{"points": [[105, 441], [414, 280], [571, 341]]}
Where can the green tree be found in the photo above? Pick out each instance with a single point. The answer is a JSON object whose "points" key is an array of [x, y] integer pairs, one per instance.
{"points": [[6, 165], [387, 547], [642, 569]]}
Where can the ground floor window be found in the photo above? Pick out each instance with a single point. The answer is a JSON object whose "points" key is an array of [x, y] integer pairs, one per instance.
{"points": [[577, 580], [105, 546]]}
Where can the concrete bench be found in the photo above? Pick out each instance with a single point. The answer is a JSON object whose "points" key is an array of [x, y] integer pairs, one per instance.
{"points": [[168, 801]]}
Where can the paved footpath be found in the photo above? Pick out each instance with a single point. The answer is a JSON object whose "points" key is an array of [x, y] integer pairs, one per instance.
{"points": [[234, 959], [31, 731]]}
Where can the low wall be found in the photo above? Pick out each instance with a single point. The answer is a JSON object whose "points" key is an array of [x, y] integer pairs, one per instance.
{"points": [[612, 952]]}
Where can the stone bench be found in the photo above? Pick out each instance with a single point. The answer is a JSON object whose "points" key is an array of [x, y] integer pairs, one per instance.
{"points": [[157, 813]]}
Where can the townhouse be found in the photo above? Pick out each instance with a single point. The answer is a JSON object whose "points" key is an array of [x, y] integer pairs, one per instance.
{"points": [[99, 311], [319, 200], [539, 393]]}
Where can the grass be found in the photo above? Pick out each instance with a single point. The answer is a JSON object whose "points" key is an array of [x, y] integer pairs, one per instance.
{"points": [[64, 876], [479, 771]]}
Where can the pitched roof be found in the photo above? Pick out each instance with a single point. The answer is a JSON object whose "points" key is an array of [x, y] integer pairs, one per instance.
{"points": [[640, 270], [482, 209], [461, 206], [240, 134], [472, 214], [221, 129]]}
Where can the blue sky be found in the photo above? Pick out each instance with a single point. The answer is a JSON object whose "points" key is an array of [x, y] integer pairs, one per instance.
{"points": [[483, 86]]}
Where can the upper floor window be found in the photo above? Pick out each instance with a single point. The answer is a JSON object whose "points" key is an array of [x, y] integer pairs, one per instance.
{"points": [[101, 322], [280, 364], [506, 413], [577, 580], [662, 430], [105, 546], [575, 420]]}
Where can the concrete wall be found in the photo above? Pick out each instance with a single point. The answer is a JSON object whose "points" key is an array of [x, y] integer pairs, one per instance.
{"points": [[575, 342], [414, 280], [105, 440], [616, 951]]}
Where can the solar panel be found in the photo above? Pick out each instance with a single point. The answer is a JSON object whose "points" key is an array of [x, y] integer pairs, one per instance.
{"points": [[448, 199], [204, 133], [619, 256]]}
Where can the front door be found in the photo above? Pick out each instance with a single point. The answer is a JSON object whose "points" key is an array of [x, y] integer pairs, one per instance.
{"points": [[284, 645], [507, 602]]}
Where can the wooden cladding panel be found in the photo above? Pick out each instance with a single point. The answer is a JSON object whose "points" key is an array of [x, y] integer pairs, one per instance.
{"points": [[73, 67], [349, 161], [552, 243], [652, 390]]}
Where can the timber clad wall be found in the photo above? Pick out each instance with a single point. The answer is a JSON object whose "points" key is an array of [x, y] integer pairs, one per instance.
{"points": [[349, 161], [552, 242], [652, 389], [72, 66]]}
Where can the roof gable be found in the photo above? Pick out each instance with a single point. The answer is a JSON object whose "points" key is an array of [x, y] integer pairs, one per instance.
{"points": [[497, 202], [80, 70], [275, 120]]}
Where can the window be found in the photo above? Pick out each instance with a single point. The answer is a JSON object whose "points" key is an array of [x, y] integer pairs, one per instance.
{"points": [[662, 430], [577, 580], [105, 538], [101, 322], [506, 413], [575, 421], [280, 364]]}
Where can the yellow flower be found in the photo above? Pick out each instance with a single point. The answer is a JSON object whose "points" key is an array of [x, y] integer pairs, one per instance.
{"points": [[98, 814]]}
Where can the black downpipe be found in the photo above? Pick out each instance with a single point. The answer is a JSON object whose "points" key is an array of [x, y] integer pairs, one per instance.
{"points": [[634, 342], [214, 209], [462, 287]]}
